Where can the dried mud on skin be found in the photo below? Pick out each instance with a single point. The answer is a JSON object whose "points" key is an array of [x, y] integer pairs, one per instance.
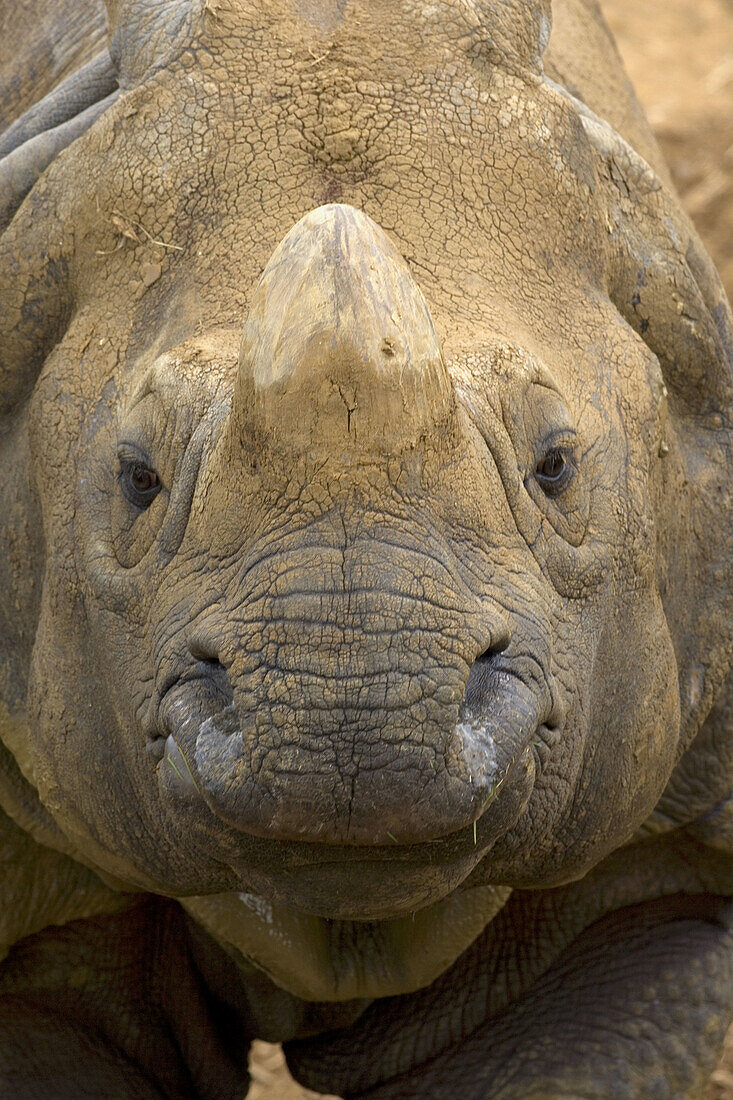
{"points": [[679, 55]]}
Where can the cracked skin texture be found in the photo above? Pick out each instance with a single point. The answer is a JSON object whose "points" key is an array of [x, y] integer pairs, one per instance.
{"points": [[355, 736]]}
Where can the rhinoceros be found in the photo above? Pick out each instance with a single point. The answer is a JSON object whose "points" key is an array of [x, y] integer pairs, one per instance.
{"points": [[366, 534]]}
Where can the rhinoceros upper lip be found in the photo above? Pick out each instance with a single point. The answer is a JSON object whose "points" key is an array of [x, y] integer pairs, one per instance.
{"points": [[196, 705], [354, 881]]}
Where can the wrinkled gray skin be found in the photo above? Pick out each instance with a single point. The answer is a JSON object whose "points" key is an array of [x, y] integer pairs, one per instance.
{"points": [[365, 584]]}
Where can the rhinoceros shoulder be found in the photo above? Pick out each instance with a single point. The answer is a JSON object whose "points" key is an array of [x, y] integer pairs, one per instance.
{"points": [[41, 883]]}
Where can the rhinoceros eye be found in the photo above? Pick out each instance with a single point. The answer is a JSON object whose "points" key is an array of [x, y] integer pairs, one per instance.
{"points": [[138, 482], [554, 472]]}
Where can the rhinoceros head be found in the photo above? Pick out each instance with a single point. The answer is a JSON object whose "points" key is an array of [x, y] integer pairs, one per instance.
{"points": [[382, 445]]}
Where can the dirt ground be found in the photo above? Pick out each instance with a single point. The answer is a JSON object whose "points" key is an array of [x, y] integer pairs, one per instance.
{"points": [[679, 54]]}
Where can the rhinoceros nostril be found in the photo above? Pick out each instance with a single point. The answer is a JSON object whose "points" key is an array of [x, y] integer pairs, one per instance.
{"points": [[209, 667], [201, 649], [213, 666], [482, 676], [188, 696], [499, 643]]}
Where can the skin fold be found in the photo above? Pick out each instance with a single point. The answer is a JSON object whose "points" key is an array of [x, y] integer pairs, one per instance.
{"points": [[365, 558]]}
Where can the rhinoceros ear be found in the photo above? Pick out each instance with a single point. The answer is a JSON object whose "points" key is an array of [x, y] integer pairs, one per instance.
{"points": [[35, 298], [661, 279], [512, 31], [664, 284], [29, 145], [145, 34]]}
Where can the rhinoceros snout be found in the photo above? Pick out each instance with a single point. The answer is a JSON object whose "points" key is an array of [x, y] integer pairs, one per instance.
{"points": [[367, 705]]}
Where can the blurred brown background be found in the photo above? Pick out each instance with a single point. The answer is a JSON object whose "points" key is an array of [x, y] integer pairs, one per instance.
{"points": [[679, 55]]}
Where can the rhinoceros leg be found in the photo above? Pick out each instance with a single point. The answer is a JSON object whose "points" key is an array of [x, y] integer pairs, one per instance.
{"points": [[637, 1009], [113, 1007]]}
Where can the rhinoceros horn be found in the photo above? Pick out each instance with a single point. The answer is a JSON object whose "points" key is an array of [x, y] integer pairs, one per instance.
{"points": [[339, 350]]}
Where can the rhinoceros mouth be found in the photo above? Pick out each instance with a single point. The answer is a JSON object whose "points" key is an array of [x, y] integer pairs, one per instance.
{"points": [[208, 746], [342, 881], [408, 857], [349, 882]]}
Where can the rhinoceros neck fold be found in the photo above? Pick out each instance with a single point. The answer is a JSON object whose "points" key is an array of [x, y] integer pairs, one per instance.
{"points": [[21, 802], [55, 889], [19, 798], [339, 346], [323, 960]]}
